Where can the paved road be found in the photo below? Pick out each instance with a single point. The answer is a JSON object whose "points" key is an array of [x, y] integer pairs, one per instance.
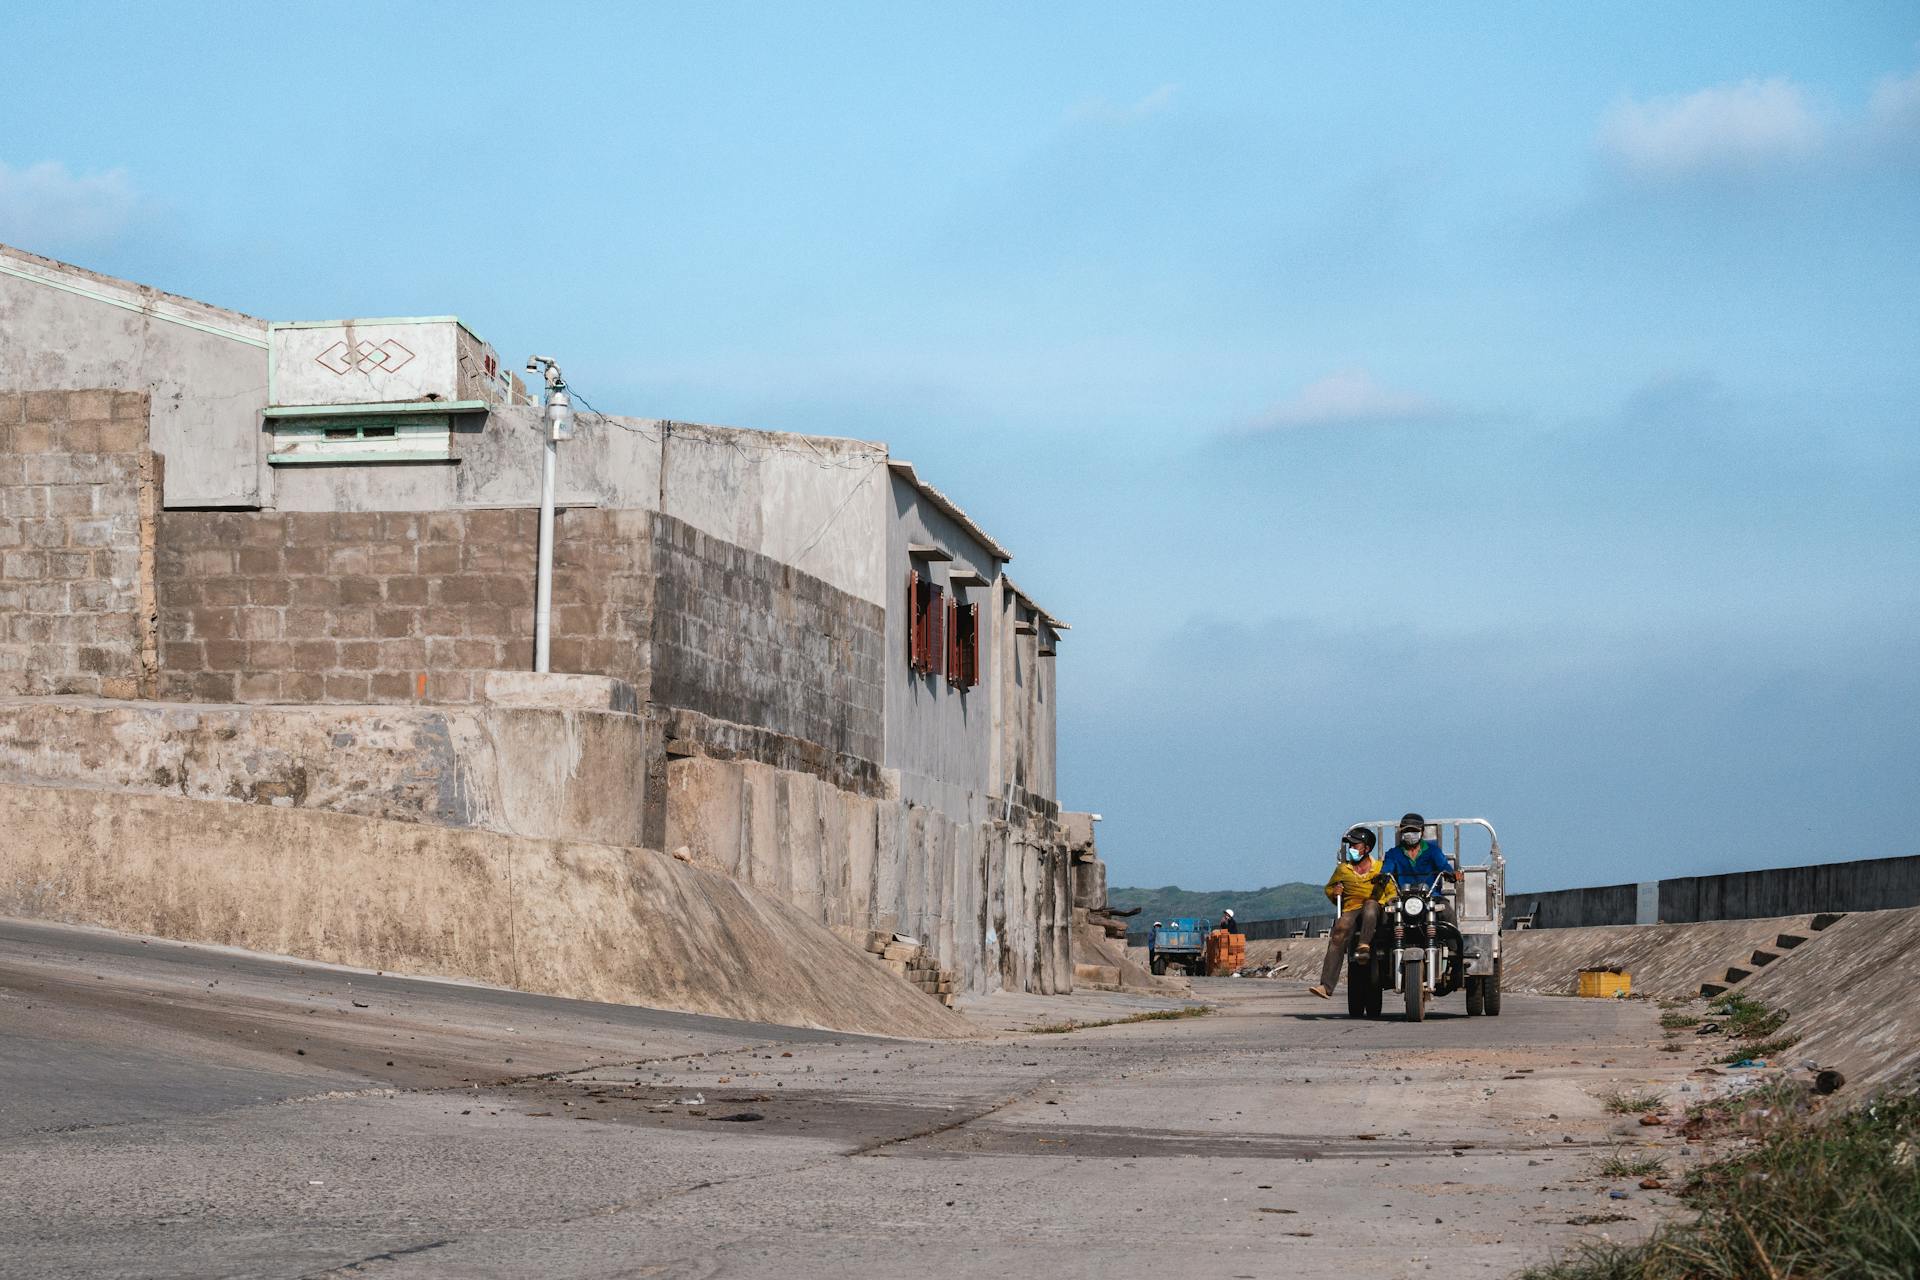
{"points": [[170, 1110]]}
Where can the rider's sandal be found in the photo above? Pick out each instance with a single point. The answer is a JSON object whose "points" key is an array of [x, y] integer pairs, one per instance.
{"points": [[1363, 953], [1320, 991]]}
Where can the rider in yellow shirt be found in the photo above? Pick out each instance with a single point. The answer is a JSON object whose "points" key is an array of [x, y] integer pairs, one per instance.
{"points": [[1358, 888]]}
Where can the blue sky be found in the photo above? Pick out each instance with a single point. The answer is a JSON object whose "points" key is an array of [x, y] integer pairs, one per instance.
{"points": [[1493, 409]]}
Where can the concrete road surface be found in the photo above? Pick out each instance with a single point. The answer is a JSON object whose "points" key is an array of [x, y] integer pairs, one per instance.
{"points": [[172, 1110]]}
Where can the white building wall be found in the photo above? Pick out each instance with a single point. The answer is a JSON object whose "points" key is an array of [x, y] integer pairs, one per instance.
{"points": [[65, 328]]}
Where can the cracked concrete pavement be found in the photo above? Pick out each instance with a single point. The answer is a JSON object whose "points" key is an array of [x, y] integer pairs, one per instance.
{"points": [[173, 1110]]}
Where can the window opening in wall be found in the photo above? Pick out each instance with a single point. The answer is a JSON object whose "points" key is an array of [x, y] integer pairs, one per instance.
{"points": [[926, 633], [414, 438], [963, 645]]}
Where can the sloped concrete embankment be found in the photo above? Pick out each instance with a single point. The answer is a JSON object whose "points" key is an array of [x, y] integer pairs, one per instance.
{"points": [[1850, 993], [1848, 989], [554, 916], [1664, 959]]}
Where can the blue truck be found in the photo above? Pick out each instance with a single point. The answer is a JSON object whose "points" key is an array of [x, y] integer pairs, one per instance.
{"points": [[1178, 944]]}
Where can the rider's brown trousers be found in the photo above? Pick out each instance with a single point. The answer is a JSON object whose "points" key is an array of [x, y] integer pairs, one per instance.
{"points": [[1366, 918]]}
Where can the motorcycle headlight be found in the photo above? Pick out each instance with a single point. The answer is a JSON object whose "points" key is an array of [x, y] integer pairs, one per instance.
{"points": [[1415, 906]]}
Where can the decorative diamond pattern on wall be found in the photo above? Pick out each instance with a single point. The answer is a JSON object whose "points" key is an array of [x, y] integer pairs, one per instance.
{"points": [[364, 357]]}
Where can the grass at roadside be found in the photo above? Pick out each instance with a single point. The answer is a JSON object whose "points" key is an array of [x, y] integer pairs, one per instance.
{"points": [[1629, 1164], [1815, 1196], [1676, 1021], [1155, 1015], [1628, 1102], [1746, 1019], [1759, 1049]]}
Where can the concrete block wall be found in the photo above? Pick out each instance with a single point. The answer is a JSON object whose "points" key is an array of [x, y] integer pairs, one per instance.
{"points": [[742, 637], [75, 481], [354, 607]]}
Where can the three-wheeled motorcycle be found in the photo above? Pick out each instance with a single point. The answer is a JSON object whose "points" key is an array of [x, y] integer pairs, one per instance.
{"points": [[1420, 955]]}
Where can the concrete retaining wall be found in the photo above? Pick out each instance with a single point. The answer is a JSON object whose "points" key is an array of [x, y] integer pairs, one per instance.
{"points": [[991, 900], [565, 918], [530, 771]]}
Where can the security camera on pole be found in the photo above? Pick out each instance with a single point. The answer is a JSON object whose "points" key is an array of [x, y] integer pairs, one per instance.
{"points": [[558, 421]]}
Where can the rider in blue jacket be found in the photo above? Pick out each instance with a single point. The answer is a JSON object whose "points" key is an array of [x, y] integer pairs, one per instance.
{"points": [[1414, 861]]}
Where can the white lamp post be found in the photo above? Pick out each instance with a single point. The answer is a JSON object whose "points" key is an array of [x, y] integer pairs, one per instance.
{"points": [[558, 425]]}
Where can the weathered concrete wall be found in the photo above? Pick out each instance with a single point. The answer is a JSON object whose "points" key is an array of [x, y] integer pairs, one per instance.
{"points": [[530, 771], [814, 502], [613, 463], [1590, 907], [991, 900], [742, 637], [204, 368], [1866, 884], [390, 607], [76, 486], [1026, 692], [572, 919], [939, 738]]}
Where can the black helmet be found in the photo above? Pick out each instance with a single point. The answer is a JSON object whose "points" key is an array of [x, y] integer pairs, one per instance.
{"points": [[1360, 836], [1413, 821]]}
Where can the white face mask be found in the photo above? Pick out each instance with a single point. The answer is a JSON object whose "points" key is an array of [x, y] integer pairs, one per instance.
{"points": [[1409, 839]]}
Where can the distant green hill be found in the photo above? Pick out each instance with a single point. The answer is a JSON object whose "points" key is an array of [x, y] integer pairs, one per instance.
{"points": [[1275, 903]]}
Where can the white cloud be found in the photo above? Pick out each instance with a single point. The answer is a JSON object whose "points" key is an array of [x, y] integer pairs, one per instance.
{"points": [[47, 205], [1098, 110], [1726, 129], [1348, 398]]}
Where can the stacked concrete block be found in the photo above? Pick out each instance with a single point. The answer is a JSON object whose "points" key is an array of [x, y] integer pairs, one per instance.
{"points": [[742, 637], [907, 959], [365, 606], [74, 476]]}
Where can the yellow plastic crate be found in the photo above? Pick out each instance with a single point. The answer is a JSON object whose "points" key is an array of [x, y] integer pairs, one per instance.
{"points": [[1605, 983]]}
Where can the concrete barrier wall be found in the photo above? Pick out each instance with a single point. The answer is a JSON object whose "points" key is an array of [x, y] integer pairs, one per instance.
{"points": [[1865, 884], [561, 917], [1869, 884], [1577, 908]]}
